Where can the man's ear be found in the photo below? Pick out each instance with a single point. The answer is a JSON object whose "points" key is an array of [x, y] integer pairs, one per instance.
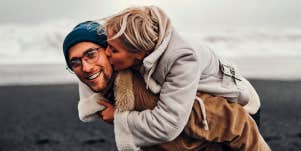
{"points": [[140, 55]]}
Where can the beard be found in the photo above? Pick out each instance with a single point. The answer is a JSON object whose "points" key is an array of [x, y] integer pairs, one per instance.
{"points": [[99, 83]]}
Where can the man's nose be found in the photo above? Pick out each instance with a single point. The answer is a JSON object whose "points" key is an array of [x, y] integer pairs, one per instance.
{"points": [[86, 67]]}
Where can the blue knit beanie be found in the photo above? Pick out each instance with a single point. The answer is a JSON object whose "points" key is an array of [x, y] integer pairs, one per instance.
{"points": [[89, 31]]}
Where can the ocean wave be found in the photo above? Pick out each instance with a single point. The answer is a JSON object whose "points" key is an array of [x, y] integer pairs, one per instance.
{"points": [[32, 54], [42, 43], [39, 43]]}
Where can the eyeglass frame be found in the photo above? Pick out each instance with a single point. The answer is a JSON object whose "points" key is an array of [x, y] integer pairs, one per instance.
{"points": [[71, 70]]}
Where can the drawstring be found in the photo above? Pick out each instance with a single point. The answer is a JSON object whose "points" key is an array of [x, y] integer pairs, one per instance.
{"points": [[204, 121], [147, 82], [149, 76]]}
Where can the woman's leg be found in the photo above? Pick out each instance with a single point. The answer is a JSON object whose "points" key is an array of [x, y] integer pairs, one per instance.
{"points": [[229, 124]]}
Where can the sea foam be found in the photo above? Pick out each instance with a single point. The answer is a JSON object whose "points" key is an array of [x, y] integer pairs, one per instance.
{"points": [[257, 52]]}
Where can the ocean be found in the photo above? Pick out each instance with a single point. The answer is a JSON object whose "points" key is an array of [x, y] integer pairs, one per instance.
{"points": [[32, 54]]}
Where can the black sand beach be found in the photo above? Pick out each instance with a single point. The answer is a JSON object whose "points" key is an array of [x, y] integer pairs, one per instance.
{"points": [[44, 118]]}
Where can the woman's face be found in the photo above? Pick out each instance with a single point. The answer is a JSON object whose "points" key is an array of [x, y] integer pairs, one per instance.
{"points": [[119, 56]]}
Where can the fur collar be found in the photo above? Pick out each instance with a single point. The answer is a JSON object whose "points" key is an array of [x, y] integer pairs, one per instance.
{"points": [[123, 91]]}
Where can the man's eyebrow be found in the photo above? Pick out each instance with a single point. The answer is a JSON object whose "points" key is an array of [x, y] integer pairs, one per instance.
{"points": [[74, 58], [89, 49]]}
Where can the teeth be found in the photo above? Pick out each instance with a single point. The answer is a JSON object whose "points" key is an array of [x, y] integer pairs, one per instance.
{"points": [[94, 76]]}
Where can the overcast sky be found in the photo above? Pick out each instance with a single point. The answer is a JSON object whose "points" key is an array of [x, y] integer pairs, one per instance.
{"points": [[182, 12]]}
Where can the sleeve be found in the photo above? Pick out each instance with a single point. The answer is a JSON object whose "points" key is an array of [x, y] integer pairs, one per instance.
{"points": [[87, 105], [167, 120]]}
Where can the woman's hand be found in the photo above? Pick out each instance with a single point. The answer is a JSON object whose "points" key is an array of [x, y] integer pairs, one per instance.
{"points": [[108, 113]]}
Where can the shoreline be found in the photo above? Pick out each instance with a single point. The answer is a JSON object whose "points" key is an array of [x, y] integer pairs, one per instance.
{"points": [[73, 82], [277, 68]]}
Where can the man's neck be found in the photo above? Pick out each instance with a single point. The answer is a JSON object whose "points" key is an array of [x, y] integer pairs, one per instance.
{"points": [[108, 92]]}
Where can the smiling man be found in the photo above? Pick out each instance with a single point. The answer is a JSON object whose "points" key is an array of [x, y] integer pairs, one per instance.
{"points": [[84, 50]]}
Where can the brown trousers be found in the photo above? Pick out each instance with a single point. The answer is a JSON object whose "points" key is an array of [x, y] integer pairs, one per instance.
{"points": [[230, 126]]}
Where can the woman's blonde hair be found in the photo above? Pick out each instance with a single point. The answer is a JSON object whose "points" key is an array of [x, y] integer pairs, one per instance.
{"points": [[137, 27]]}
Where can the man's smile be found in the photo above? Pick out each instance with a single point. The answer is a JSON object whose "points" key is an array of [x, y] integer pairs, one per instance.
{"points": [[93, 76]]}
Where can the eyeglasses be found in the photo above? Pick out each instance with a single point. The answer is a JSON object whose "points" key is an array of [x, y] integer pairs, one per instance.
{"points": [[90, 56]]}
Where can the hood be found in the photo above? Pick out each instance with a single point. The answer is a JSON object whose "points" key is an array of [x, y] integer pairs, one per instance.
{"points": [[165, 29]]}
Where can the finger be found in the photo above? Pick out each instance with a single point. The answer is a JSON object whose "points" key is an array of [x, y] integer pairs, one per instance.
{"points": [[104, 103], [106, 109], [103, 113], [105, 118]]}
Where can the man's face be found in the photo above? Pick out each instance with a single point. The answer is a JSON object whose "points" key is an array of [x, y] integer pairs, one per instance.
{"points": [[97, 74]]}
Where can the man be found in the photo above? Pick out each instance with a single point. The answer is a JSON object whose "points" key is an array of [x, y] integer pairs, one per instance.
{"points": [[229, 125]]}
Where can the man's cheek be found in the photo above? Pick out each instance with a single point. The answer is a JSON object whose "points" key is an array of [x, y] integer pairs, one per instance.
{"points": [[102, 79]]}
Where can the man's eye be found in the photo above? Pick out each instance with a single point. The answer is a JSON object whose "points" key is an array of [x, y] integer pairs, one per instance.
{"points": [[75, 63], [91, 54]]}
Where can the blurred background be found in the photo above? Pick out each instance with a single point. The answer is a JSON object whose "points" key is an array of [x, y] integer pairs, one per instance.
{"points": [[263, 39]]}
